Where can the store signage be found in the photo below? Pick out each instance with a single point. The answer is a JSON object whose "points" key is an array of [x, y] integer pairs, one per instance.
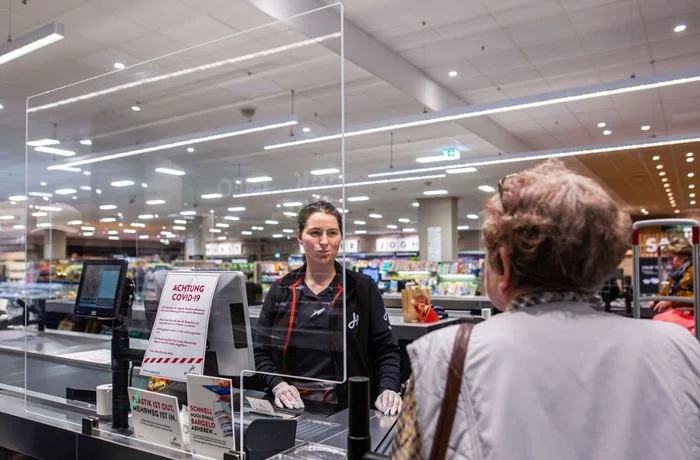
{"points": [[434, 244], [350, 246], [155, 417], [211, 415], [179, 336], [224, 249], [451, 153], [397, 243], [648, 275]]}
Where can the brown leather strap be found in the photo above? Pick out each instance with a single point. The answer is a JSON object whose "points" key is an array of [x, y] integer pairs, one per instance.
{"points": [[451, 397]]}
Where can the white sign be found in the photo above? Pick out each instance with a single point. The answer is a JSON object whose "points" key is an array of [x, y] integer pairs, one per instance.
{"points": [[179, 336], [224, 249], [397, 243], [155, 417], [211, 415], [350, 246], [434, 244]]}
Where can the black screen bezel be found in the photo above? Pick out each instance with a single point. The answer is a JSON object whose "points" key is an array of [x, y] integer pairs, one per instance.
{"points": [[101, 312]]}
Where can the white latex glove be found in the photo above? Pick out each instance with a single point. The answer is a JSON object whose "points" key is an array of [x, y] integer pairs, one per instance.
{"points": [[287, 396], [389, 402]]}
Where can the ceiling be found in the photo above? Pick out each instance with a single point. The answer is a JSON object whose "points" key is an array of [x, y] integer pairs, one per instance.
{"points": [[397, 66]]}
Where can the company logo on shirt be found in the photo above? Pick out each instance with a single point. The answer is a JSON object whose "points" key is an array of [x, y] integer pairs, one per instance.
{"points": [[355, 321], [318, 312]]}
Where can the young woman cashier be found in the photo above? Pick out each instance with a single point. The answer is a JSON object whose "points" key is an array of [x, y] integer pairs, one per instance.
{"points": [[300, 327]]}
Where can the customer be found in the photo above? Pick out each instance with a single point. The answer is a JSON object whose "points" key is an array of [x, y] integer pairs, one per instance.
{"points": [[679, 284], [300, 329], [552, 378]]}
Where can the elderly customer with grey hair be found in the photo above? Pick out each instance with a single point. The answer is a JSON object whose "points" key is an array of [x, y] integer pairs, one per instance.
{"points": [[552, 377]]}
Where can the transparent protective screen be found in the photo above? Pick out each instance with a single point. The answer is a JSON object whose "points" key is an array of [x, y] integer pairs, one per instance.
{"points": [[173, 166]]}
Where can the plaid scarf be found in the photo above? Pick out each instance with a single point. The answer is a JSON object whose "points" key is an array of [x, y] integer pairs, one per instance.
{"points": [[541, 298]]}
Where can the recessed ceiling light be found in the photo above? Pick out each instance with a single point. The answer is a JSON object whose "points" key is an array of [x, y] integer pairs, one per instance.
{"points": [[146, 216], [119, 66], [392, 227], [170, 171], [322, 172], [17, 198], [98, 191], [221, 225], [272, 222], [154, 202], [86, 188], [689, 154], [287, 230], [236, 208], [129, 230], [40, 214], [662, 173], [692, 202], [667, 185], [258, 179], [246, 232], [690, 174], [415, 204], [180, 221], [136, 108], [691, 186], [113, 238], [679, 28], [87, 228], [108, 207], [214, 230], [65, 191], [602, 124], [656, 158], [487, 188], [43, 142], [292, 204], [435, 192], [375, 216], [360, 222], [452, 73], [55, 151], [221, 238], [43, 183], [85, 142], [664, 179], [360, 232], [676, 211], [189, 213], [138, 224], [232, 218], [122, 183], [607, 132], [358, 198], [472, 216], [88, 233], [190, 149], [289, 214], [75, 222], [143, 237], [211, 196], [645, 128], [86, 173], [408, 230], [113, 232], [690, 159], [7, 217], [306, 129], [404, 220], [18, 227], [463, 227], [659, 166], [692, 195], [278, 235], [108, 220]]}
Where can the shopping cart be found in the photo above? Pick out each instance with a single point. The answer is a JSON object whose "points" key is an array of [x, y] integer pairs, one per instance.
{"points": [[695, 241]]}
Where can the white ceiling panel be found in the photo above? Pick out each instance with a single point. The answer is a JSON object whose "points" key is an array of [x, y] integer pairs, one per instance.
{"points": [[527, 13]]}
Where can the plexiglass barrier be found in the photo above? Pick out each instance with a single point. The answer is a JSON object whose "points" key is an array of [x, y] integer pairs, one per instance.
{"points": [[170, 165]]}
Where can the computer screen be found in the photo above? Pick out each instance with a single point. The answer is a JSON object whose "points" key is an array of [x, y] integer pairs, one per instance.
{"points": [[101, 288], [372, 272]]}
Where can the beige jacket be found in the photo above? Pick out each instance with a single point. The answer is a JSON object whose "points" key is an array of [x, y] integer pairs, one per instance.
{"points": [[562, 381]]}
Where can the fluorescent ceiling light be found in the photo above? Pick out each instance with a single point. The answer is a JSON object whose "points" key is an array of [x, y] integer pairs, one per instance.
{"points": [[143, 237], [179, 141], [155, 202], [335, 186], [375, 216], [119, 66], [306, 129], [129, 230], [87, 228], [146, 216], [527, 102], [222, 225], [415, 204], [17, 198], [43, 142], [7, 217], [645, 128], [44, 225], [113, 232], [246, 232], [32, 41], [437, 158], [65, 191], [487, 188], [607, 132], [18, 227], [86, 173], [138, 224], [39, 214], [180, 221], [287, 230], [256, 180], [189, 213], [85, 142], [55, 151], [179, 227], [236, 208], [75, 222], [113, 238], [189, 70], [472, 216], [85, 188], [360, 222], [215, 230], [461, 170], [272, 222], [289, 214], [108, 220], [404, 220], [360, 232], [278, 235], [136, 108], [292, 204], [221, 238], [260, 229], [408, 230], [108, 207], [392, 227], [321, 172], [452, 73], [602, 124], [233, 218], [358, 198], [553, 153], [679, 28], [435, 192], [122, 183], [463, 227], [211, 196], [64, 168], [170, 171], [49, 208]]}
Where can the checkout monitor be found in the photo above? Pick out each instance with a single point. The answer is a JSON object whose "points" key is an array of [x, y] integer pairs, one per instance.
{"points": [[101, 288], [229, 335]]}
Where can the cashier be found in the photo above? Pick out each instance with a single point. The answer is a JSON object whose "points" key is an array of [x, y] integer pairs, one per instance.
{"points": [[299, 331]]}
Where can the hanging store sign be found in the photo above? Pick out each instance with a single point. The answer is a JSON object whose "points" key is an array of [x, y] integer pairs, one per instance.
{"points": [[397, 243]]}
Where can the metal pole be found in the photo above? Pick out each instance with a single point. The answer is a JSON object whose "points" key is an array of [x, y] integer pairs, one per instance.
{"points": [[636, 307], [696, 281]]}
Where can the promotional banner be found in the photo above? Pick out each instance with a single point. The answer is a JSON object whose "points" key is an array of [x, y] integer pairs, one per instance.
{"points": [[179, 336], [155, 417], [211, 415]]}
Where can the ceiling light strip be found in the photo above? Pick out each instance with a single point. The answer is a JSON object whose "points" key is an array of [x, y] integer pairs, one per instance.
{"points": [[197, 138], [339, 185], [32, 41], [188, 71], [509, 105], [552, 153]]}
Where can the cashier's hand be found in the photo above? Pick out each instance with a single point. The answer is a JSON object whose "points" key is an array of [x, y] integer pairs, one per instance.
{"points": [[663, 306], [287, 396], [389, 403]]}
